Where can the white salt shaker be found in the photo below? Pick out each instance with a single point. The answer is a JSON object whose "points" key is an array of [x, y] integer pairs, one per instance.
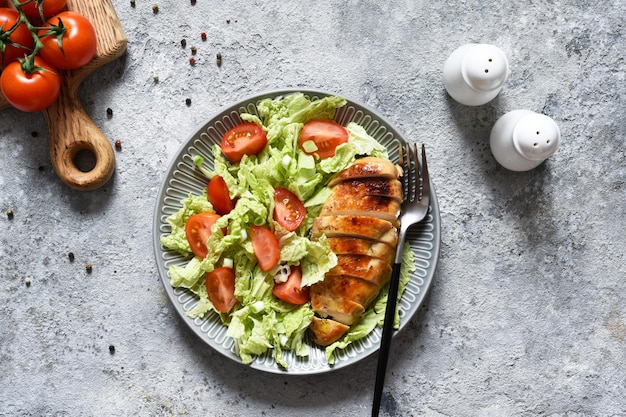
{"points": [[520, 140], [475, 73]]}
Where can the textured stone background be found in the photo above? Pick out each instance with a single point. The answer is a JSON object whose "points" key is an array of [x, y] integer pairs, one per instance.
{"points": [[527, 313]]}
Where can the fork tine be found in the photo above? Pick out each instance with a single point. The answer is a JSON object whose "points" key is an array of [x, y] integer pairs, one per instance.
{"points": [[408, 161], [416, 174], [405, 163], [408, 176], [425, 177]]}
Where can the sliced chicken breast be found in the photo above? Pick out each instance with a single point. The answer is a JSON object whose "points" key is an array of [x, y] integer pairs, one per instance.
{"points": [[363, 227], [326, 331], [356, 246], [359, 219], [364, 267], [345, 286], [346, 203], [368, 167], [343, 310], [382, 187]]}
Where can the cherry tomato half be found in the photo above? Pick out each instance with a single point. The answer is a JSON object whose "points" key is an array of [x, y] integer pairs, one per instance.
{"points": [[219, 195], [265, 246], [49, 7], [291, 291], [19, 43], [289, 211], [30, 92], [76, 47], [198, 231], [325, 135], [243, 139], [220, 287]]}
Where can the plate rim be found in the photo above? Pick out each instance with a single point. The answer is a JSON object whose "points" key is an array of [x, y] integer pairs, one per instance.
{"points": [[158, 249]]}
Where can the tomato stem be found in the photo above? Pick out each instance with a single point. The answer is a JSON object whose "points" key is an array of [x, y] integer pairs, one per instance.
{"points": [[28, 62]]}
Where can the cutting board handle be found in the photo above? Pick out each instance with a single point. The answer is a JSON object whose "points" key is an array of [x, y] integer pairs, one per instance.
{"points": [[74, 136]]}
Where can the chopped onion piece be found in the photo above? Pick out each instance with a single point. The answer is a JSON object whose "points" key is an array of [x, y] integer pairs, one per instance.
{"points": [[281, 273], [286, 161], [257, 306]]}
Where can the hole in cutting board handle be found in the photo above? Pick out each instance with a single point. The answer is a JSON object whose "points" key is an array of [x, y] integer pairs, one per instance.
{"points": [[84, 165], [85, 160]]}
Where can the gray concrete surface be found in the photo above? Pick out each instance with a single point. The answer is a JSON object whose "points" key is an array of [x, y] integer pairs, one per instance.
{"points": [[527, 314]]}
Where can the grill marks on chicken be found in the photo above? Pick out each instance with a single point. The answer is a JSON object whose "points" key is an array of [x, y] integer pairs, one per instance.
{"points": [[359, 219], [345, 199]]}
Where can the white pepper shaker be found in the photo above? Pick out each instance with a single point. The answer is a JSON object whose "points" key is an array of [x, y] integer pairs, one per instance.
{"points": [[475, 73], [521, 140]]}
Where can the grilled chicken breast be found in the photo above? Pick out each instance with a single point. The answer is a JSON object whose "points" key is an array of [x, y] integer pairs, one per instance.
{"points": [[360, 220]]}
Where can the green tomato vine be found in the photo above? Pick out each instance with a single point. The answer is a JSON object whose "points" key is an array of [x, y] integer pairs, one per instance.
{"points": [[28, 62]]}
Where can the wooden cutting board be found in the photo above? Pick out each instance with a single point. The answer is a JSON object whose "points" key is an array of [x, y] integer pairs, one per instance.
{"points": [[71, 130]]}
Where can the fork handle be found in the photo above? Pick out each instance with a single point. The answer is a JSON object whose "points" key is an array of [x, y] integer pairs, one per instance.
{"points": [[385, 343]]}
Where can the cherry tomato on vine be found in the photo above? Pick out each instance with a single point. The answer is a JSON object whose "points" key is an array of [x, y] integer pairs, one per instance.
{"points": [[265, 246], [219, 195], [77, 45], [291, 291], [289, 211], [49, 7], [244, 139], [322, 135], [18, 43], [220, 287], [30, 92], [198, 231]]}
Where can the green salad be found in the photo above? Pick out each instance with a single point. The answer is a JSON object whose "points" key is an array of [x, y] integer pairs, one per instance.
{"points": [[260, 321]]}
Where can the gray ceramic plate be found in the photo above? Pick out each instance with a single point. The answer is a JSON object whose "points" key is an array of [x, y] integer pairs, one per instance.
{"points": [[182, 179]]}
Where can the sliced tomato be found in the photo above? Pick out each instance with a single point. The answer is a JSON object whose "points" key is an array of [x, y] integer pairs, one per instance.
{"points": [[220, 287], [321, 137], [198, 231], [265, 246], [219, 195], [244, 139], [289, 211], [291, 291]]}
